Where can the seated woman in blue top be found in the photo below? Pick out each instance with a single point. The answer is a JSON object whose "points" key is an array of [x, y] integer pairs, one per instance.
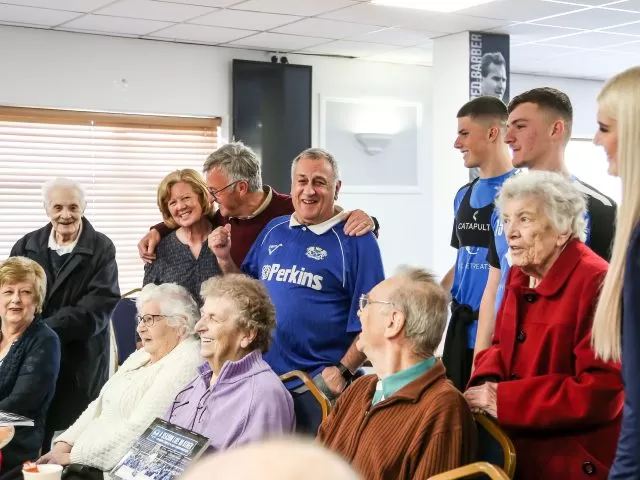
{"points": [[29, 356], [236, 398], [616, 331], [183, 256]]}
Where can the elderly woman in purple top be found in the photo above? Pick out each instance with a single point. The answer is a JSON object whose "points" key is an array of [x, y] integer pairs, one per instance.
{"points": [[236, 398]]}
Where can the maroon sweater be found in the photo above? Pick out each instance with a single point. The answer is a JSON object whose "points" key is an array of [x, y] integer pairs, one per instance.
{"points": [[245, 231]]}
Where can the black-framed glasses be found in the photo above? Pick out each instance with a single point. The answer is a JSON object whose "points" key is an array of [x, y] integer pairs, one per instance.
{"points": [[365, 300], [148, 319], [214, 193]]}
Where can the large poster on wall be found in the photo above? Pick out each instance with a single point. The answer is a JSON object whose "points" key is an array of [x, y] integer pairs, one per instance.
{"points": [[488, 69]]}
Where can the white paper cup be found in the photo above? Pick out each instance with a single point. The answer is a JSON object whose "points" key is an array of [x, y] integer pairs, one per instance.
{"points": [[46, 471]]}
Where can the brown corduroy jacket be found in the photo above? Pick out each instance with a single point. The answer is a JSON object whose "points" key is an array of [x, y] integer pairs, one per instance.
{"points": [[423, 429]]}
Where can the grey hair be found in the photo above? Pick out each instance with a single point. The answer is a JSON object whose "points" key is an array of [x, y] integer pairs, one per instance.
{"points": [[563, 202], [238, 162], [175, 302], [424, 304], [62, 182], [317, 154], [254, 309]]}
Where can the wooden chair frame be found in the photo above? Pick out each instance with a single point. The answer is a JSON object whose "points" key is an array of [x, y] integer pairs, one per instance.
{"points": [[509, 451], [324, 402], [472, 470]]}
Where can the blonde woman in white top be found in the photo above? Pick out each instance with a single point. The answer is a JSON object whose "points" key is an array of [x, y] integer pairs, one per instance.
{"points": [[142, 388]]}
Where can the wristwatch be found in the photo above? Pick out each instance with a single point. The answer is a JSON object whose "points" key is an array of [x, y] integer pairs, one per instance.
{"points": [[345, 372]]}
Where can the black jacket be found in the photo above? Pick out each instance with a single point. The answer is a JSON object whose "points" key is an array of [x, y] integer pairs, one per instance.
{"points": [[27, 382], [78, 307]]}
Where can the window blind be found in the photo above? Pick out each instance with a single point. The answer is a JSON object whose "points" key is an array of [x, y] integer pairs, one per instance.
{"points": [[118, 159]]}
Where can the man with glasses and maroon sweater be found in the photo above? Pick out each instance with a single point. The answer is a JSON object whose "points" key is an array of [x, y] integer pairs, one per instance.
{"points": [[235, 184]]}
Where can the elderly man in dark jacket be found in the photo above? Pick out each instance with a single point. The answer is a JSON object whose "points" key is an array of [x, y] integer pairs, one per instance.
{"points": [[82, 290]]}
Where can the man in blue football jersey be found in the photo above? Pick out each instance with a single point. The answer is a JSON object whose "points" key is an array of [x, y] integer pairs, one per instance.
{"points": [[481, 129], [538, 131], [315, 275]]}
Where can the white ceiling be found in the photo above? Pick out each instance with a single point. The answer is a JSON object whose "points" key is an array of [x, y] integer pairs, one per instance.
{"points": [[576, 38]]}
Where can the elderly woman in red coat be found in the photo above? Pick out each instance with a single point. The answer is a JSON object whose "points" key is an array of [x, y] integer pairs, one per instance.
{"points": [[540, 378]]}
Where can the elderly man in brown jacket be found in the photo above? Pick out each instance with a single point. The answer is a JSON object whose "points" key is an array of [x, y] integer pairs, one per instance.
{"points": [[407, 421]]}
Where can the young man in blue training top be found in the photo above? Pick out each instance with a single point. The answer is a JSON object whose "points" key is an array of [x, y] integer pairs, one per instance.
{"points": [[315, 275], [538, 130], [481, 129]]}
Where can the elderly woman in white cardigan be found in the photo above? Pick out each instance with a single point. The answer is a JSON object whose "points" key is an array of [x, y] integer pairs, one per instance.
{"points": [[142, 388]]}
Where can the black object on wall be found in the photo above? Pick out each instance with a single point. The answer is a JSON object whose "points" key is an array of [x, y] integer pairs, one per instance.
{"points": [[272, 115]]}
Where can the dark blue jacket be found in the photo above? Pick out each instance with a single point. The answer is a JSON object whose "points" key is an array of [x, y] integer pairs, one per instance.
{"points": [[78, 307], [28, 377], [627, 463]]}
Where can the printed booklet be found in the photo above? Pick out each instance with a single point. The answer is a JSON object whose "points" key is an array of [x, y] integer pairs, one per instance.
{"points": [[162, 452]]}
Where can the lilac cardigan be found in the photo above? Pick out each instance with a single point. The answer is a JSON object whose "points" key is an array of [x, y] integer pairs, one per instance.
{"points": [[247, 402]]}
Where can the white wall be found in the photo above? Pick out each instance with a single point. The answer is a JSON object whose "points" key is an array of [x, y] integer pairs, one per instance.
{"points": [[77, 71], [583, 94]]}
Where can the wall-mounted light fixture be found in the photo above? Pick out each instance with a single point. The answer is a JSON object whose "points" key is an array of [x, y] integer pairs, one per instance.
{"points": [[374, 143]]}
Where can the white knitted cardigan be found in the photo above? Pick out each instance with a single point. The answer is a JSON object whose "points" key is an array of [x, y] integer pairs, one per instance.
{"points": [[128, 403]]}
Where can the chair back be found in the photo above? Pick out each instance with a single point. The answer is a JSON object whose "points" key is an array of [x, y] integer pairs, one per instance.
{"points": [[494, 446], [324, 405], [123, 322], [473, 470]]}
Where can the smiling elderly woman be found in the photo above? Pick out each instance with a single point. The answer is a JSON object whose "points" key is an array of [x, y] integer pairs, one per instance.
{"points": [[183, 256], [141, 389], [29, 356], [236, 397], [560, 405]]}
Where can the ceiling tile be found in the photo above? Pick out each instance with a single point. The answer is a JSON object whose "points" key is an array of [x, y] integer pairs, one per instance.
{"points": [[103, 23], [203, 3], [200, 34], [519, 10], [536, 51], [304, 8], [350, 49], [413, 19], [632, 5], [591, 19], [630, 47], [582, 3], [245, 20], [630, 29], [327, 28], [34, 16], [370, 14], [278, 42], [150, 10], [394, 36], [71, 5], [588, 40], [410, 56], [529, 32]]}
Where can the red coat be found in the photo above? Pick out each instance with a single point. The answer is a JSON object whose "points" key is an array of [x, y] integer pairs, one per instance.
{"points": [[560, 405]]}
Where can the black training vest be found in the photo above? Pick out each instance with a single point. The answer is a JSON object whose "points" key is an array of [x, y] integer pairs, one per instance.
{"points": [[473, 225]]}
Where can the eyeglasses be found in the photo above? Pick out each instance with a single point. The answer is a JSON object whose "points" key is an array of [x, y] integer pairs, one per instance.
{"points": [[214, 193], [148, 319], [365, 300]]}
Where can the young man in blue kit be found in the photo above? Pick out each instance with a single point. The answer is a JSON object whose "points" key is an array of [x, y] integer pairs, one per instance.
{"points": [[481, 129], [539, 128], [315, 275]]}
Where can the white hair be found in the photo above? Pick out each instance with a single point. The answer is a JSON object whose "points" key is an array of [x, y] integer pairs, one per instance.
{"points": [[424, 304], [317, 154], [563, 202], [62, 182], [175, 302]]}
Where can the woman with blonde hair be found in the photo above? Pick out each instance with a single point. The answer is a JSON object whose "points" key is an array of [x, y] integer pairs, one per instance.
{"points": [[183, 256], [619, 306]]}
